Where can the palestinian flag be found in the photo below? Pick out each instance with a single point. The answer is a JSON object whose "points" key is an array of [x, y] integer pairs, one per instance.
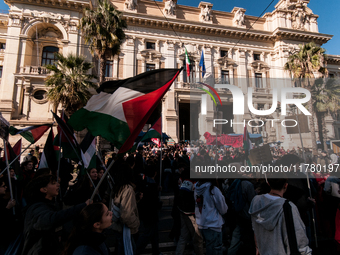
{"points": [[31, 134], [121, 109], [12, 153], [187, 61], [66, 138], [154, 133], [49, 157], [88, 151], [69, 142]]}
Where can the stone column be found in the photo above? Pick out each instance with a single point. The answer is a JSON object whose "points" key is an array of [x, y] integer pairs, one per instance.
{"points": [[10, 66], [170, 115], [27, 100], [129, 57]]}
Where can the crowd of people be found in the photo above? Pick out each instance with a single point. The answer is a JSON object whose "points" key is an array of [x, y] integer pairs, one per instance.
{"points": [[244, 215]]}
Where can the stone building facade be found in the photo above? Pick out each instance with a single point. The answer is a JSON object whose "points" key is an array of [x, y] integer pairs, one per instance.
{"points": [[239, 49]]}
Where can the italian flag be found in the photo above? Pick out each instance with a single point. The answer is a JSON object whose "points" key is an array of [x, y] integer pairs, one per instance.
{"points": [[122, 108], [187, 61], [31, 134], [154, 133]]}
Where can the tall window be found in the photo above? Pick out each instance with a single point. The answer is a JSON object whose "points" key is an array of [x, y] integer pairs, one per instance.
{"points": [[2, 46], [150, 45], [0, 72], [150, 67], [109, 68], [225, 77], [48, 56], [258, 80]]}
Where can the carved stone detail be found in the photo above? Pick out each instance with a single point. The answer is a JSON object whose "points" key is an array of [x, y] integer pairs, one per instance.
{"points": [[131, 5], [170, 8], [206, 12], [239, 17]]}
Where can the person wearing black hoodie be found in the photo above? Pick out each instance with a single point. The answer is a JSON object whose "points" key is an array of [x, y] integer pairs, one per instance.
{"points": [[43, 221]]}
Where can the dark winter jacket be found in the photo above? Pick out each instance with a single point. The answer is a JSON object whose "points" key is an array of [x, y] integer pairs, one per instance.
{"points": [[43, 225], [92, 244]]}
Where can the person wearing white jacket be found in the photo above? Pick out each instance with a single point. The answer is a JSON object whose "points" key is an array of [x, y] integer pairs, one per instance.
{"points": [[210, 205]]}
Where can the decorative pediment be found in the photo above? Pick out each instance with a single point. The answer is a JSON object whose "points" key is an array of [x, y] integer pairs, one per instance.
{"points": [[226, 62], [151, 55], [192, 56], [260, 66], [49, 16]]}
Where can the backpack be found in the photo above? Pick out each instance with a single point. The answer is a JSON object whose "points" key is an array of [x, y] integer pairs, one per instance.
{"points": [[235, 196]]}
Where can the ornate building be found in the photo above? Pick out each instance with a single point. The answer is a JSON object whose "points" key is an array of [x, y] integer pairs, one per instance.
{"points": [[238, 49]]}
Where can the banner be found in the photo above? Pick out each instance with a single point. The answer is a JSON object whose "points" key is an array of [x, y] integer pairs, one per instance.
{"points": [[235, 141]]}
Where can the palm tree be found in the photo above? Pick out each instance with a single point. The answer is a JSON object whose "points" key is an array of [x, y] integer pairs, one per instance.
{"points": [[102, 28], [302, 65], [326, 100], [69, 82]]}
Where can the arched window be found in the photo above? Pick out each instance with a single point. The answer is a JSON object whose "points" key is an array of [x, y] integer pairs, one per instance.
{"points": [[48, 56]]}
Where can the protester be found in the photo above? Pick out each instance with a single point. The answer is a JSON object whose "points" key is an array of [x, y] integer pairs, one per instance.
{"points": [[84, 188], [123, 196], [186, 206], [43, 221], [148, 208], [6, 217], [87, 235], [242, 235], [209, 207], [269, 220]]}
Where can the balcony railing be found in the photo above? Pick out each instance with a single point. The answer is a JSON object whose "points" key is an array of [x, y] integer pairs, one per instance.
{"points": [[38, 70], [110, 78]]}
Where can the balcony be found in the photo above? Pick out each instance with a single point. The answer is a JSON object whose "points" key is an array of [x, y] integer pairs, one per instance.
{"points": [[111, 78], [2, 53], [262, 90], [34, 70]]}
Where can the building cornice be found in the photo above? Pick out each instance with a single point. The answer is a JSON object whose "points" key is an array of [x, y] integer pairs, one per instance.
{"points": [[333, 59], [303, 36], [225, 31], [149, 21], [74, 5]]}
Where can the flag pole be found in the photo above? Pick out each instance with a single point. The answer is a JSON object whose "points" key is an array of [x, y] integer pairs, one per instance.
{"points": [[8, 173], [101, 180], [161, 165], [101, 160], [68, 139], [8, 166], [59, 158]]}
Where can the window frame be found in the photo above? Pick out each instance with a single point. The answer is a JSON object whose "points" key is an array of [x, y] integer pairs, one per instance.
{"points": [[51, 62], [109, 68], [258, 80], [148, 65], [152, 47]]}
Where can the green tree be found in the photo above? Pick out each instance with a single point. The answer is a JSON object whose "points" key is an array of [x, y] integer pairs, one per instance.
{"points": [[103, 30], [326, 101], [310, 59], [69, 82]]}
